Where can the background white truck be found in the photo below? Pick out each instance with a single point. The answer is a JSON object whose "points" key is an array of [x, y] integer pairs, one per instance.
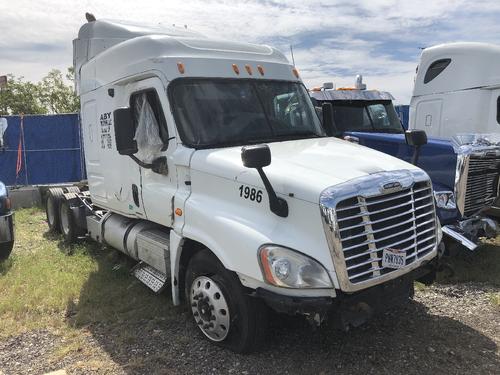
{"points": [[457, 90], [207, 163]]}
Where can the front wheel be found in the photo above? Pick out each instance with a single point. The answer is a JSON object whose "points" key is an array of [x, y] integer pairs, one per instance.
{"points": [[221, 308]]}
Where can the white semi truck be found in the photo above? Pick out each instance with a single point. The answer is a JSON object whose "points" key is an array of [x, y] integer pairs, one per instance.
{"points": [[457, 91], [207, 164]]}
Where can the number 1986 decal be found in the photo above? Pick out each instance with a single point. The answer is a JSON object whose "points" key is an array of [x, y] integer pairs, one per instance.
{"points": [[250, 193]]}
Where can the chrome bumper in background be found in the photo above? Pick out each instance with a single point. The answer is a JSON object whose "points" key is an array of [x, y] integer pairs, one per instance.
{"points": [[467, 232]]}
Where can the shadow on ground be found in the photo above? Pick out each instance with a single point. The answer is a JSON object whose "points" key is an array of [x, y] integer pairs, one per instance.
{"points": [[144, 334]]}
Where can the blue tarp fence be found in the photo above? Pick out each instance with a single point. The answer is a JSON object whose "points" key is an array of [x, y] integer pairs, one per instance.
{"points": [[50, 153], [403, 112]]}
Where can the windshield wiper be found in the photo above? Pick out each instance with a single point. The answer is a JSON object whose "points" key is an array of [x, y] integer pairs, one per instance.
{"points": [[307, 134]]}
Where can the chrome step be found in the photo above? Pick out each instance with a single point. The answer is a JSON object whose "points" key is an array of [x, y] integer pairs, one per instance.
{"points": [[151, 277]]}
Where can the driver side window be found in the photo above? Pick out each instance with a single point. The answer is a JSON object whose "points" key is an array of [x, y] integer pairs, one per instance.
{"points": [[151, 133]]}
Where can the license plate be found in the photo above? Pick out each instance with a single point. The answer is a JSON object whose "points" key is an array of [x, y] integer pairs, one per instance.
{"points": [[393, 258]]}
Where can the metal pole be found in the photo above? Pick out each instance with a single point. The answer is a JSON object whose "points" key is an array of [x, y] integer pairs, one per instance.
{"points": [[24, 147]]}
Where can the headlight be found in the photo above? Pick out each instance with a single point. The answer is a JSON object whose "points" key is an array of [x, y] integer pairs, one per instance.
{"points": [[287, 268], [445, 199]]}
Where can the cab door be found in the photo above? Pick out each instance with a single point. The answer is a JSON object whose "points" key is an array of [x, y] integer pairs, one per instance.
{"points": [[155, 137]]}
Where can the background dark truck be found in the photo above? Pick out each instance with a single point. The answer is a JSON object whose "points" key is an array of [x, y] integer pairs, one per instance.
{"points": [[6, 223], [464, 171]]}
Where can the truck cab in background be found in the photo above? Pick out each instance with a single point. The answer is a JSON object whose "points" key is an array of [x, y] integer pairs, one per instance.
{"points": [[457, 91], [464, 173], [207, 165]]}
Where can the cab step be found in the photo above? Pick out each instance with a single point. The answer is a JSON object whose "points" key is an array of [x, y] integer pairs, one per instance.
{"points": [[151, 277]]}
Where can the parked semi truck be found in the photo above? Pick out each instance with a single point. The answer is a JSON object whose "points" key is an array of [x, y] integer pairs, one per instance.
{"points": [[207, 164], [457, 91], [464, 170]]}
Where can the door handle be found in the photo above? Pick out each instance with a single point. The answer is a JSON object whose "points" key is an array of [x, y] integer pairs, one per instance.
{"points": [[135, 194]]}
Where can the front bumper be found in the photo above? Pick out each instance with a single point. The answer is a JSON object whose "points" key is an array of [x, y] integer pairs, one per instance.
{"points": [[7, 228], [349, 309], [467, 232]]}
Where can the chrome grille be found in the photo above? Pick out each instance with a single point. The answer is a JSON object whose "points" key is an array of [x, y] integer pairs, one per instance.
{"points": [[405, 220], [482, 180]]}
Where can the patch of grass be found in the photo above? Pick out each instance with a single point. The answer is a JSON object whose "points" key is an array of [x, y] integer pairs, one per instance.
{"points": [[481, 265], [48, 284], [495, 298], [420, 287]]}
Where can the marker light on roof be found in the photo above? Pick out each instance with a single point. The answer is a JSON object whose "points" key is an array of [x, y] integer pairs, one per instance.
{"points": [[180, 67], [248, 69], [295, 72], [260, 69], [236, 69]]}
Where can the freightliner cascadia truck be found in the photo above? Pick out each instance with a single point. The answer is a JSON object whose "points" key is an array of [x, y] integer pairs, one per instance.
{"points": [[208, 165]]}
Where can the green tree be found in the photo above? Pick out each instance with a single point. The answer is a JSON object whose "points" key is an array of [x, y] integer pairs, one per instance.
{"points": [[19, 96], [51, 95], [57, 96]]}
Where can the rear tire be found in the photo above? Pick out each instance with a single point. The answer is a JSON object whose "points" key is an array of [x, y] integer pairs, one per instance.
{"points": [[52, 208], [223, 311], [68, 225], [5, 250]]}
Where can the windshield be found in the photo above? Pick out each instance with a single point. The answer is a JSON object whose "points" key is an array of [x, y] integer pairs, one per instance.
{"points": [[366, 116], [229, 112]]}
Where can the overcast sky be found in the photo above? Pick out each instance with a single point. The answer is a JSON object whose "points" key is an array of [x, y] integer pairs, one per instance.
{"points": [[333, 40]]}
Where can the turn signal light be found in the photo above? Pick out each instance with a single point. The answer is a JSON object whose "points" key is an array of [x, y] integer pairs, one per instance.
{"points": [[295, 72], [180, 67], [178, 212]]}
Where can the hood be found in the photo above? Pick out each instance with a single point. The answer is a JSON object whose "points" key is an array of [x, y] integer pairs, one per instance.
{"points": [[300, 168]]}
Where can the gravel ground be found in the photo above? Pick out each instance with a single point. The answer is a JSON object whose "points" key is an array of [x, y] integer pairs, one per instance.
{"points": [[445, 329]]}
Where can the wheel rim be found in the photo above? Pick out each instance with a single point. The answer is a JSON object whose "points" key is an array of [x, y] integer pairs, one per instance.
{"points": [[50, 211], [210, 309], [64, 219]]}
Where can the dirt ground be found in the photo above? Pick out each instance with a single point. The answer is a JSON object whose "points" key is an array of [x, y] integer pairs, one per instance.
{"points": [[452, 327]]}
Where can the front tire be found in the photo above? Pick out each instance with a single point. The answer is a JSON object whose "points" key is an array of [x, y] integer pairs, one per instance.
{"points": [[220, 306]]}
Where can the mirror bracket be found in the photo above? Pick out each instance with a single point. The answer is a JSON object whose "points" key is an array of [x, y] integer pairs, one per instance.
{"points": [[258, 157], [416, 139], [160, 165], [141, 163]]}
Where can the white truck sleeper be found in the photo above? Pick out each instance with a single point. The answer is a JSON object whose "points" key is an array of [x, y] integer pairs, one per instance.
{"points": [[207, 164]]}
